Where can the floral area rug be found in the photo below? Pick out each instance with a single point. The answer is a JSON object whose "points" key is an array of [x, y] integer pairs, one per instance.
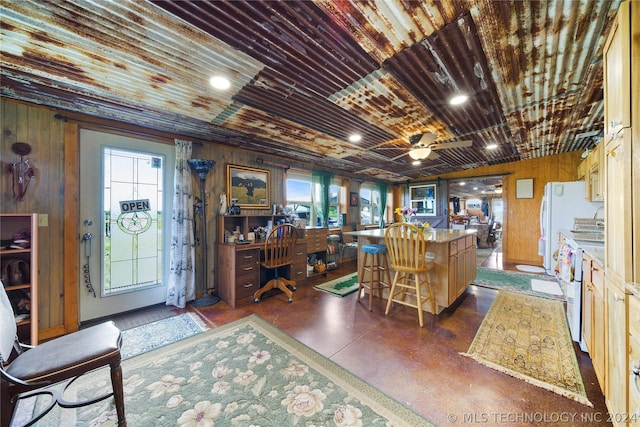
{"points": [[527, 337], [514, 281], [159, 333], [341, 286], [246, 373]]}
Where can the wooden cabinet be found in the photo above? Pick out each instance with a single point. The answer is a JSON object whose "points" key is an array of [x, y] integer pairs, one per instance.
{"points": [[462, 266], [634, 358], [593, 316], [238, 273], [622, 201], [617, 381], [591, 170], [299, 266], [316, 239], [19, 257]]}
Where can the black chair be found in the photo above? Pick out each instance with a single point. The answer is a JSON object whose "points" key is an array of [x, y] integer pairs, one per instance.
{"points": [[49, 368]]}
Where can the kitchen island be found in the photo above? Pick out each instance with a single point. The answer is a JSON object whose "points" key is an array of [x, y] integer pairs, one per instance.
{"points": [[454, 253]]}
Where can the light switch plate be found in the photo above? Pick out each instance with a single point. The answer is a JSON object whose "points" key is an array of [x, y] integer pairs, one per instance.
{"points": [[43, 220]]}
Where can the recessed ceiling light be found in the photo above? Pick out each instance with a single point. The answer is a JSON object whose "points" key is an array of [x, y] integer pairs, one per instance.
{"points": [[416, 163], [220, 83], [355, 137], [458, 99], [475, 188], [492, 146], [462, 183]]}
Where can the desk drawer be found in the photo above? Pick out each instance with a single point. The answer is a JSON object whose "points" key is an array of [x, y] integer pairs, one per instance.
{"points": [[244, 258], [247, 283]]}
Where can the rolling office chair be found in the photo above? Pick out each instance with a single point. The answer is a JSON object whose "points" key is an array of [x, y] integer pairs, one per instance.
{"points": [[278, 252], [50, 367]]}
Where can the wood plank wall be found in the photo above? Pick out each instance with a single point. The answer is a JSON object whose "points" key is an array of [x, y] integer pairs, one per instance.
{"points": [[522, 216], [54, 193], [37, 127]]}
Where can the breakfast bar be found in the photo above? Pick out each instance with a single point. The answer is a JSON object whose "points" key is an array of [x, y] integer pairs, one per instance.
{"points": [[454, 253]]}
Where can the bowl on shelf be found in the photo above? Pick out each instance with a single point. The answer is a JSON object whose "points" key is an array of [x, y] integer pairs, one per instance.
{"points": [[320, 268]]}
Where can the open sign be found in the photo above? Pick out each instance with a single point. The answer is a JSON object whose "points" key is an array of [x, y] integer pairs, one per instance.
{"points": [[135, 205]]}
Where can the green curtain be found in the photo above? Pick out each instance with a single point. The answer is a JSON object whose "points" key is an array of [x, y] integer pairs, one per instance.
{"points": [[321, 205], [383, 188]]}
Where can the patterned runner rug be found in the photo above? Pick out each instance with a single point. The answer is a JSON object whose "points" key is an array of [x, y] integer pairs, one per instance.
{"points": [[244, 373], [528, 338], [159, 333], [341, 286]]}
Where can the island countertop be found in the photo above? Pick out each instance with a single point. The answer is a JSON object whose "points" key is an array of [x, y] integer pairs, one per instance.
{"points": [[454, 255], [435, 235]]}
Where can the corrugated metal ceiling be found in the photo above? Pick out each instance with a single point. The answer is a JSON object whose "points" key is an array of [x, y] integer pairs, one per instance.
{"points": [[305, 75]]}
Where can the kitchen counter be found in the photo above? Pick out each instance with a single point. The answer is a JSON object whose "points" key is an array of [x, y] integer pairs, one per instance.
{"points": [[454, 255], [595, 250], [435, 235]]}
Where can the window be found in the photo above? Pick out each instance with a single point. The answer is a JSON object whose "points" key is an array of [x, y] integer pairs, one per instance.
{"points": [[299, 201], [423, 198], [369, 206], [299, 197]]}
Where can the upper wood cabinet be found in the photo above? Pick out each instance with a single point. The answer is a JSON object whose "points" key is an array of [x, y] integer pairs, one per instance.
{"points": [[617, 74], [622, 204], [591, 170]]}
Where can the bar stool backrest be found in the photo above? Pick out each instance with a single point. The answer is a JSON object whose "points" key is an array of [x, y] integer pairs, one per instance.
{"points": [[406, 248]]}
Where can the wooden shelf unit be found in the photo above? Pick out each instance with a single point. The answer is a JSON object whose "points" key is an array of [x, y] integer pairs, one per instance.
{"points": [[11, 224]]}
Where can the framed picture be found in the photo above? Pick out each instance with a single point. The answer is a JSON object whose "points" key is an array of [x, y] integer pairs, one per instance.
{"points": [[423, 198], [353, 199], [249, 187], [524, 188]]}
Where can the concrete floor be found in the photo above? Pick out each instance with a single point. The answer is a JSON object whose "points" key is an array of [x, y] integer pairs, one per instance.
{"points": [[420, 367]]}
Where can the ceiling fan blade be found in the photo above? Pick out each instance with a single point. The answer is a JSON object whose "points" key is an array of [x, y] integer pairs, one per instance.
{"points": [[397, 157], [454, 144]]}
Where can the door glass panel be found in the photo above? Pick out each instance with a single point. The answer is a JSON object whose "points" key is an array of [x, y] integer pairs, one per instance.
{"points": [[132, 242]]}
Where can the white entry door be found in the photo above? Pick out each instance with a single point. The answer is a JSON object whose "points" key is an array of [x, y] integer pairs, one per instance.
{"points": [[125, 222]]}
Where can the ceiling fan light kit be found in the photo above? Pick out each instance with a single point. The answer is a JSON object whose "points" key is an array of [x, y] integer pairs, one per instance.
{"points": [[420, 153]]}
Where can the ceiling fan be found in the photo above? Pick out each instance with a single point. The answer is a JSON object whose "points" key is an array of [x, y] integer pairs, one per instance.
{"points": [[423, 145]]}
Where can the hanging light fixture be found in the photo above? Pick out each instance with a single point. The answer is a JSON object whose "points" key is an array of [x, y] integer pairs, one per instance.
{"points": [[202, 167], [422, 149], [420, 153]]}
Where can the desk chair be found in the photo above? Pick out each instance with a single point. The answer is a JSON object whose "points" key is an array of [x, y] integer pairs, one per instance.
{"points": [[406, 249], [347, 241], [278, 252], [49, 368]]}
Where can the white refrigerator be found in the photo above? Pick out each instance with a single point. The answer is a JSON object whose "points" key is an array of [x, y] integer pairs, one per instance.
{"points": [[562, 202]]}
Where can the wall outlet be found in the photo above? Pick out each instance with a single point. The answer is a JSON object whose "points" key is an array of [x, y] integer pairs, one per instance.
{"points": [[43, 220]]}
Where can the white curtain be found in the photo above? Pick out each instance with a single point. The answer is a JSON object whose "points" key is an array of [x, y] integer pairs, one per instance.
{"points": [[181, 287]]}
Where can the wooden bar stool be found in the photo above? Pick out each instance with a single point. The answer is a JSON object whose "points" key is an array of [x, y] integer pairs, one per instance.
{"points": [[375, 262], [407, 251]]}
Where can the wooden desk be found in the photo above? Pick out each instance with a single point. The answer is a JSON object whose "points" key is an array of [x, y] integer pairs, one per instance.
{"points": [[455, 261], [239, 274]]}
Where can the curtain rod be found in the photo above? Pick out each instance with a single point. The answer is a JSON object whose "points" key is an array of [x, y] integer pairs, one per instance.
{"points": [[134, 132]]}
